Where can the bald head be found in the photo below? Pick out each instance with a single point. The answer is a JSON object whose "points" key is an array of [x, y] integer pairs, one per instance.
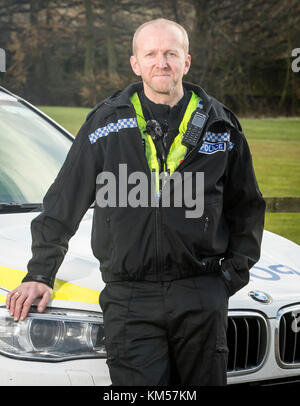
{"points": [[160, 57], [161, 22]]}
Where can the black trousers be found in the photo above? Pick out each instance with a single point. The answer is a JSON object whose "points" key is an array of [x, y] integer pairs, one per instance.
{"points": [[166, 333]]}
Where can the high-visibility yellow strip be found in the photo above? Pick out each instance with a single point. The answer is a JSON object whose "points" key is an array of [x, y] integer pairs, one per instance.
{"points": [[10, 278], [68, 291]]}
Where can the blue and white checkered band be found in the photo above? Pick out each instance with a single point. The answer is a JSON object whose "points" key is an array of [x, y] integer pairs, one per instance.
{"points": [[230, 146], [112, 128], [216, 137]]}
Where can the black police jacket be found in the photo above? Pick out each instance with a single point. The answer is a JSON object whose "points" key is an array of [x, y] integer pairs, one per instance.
{"points": [[152, 241]]}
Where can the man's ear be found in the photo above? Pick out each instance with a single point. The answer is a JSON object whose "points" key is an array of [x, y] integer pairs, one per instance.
{"points": [[134, 65], [187, 64]]}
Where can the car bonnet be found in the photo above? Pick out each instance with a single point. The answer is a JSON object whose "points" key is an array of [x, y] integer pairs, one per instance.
{"points": [[274, 279], [78, 281]]}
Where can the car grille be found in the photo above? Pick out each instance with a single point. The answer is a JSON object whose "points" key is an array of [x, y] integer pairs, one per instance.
{"points": [[288, 337], [247, 338]]}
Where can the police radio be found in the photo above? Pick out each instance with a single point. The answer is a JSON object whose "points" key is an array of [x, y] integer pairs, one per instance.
{"points": [[195, 128]]}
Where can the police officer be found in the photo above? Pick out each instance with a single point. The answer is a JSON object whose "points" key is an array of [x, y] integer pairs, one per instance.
{"points": [[168, 275]]}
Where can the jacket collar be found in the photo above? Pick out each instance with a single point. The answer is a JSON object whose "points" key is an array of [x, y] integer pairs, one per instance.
{"points": [[217, 111]]}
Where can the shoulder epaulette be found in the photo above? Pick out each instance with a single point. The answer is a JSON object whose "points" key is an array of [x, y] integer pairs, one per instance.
{"points": [[97, 107], [233, 118], [93, 111]]}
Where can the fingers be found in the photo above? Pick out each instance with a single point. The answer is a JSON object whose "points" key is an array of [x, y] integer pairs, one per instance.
{"points": [[45, 299], [12, 297], [11, 300], [19, 300], [20, 305], [8, 298], [22, 311]]}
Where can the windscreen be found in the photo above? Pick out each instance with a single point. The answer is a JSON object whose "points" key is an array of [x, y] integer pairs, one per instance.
{"points": [[31, 153]]}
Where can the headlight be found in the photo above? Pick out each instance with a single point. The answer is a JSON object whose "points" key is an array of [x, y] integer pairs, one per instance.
{"points": [[57, 335]]}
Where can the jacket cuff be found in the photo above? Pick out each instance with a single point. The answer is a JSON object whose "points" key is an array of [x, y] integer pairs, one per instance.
{"points": [[234, 278], [39, 278]]}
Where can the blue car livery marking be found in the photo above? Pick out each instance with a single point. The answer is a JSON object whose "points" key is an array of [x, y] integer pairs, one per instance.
{"points": [[272, 272]]}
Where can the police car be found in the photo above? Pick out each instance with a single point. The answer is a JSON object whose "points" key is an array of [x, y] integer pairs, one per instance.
{"points": [[65, 344]]}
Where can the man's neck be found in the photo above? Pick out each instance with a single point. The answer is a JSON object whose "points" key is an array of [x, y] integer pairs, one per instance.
{"points": [[171, 99]]}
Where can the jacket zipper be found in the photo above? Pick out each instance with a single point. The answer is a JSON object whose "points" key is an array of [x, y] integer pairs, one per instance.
{"points": [[157, 211], [158, 240], [158, 228]]}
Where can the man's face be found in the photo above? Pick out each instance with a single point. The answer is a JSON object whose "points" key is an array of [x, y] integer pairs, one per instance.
{"points": [[160, 59]]}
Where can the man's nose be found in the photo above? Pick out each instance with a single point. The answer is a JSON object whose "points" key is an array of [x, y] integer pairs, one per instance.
{"points": [[161, 61]]}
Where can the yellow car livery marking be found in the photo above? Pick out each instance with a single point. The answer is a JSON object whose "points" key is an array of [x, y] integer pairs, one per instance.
{"points": [[10, 278]]}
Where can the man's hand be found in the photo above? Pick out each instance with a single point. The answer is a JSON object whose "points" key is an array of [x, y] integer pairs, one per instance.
{"points": [[19, 300]]}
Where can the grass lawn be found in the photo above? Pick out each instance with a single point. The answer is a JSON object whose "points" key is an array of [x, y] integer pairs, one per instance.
{"points": [[71, 118], [285, 224], [275, 147]]}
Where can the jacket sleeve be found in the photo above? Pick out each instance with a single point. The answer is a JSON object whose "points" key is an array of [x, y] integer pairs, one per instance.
{"points": [[64, 205], [244, 209]]}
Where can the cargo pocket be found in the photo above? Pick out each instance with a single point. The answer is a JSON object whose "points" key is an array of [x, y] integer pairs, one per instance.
{"points": [[221, 349], [112, 351], [221, 361], [116, 368]]}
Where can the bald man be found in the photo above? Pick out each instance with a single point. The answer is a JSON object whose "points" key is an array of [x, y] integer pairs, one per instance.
{"points": [[169, 265]]}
